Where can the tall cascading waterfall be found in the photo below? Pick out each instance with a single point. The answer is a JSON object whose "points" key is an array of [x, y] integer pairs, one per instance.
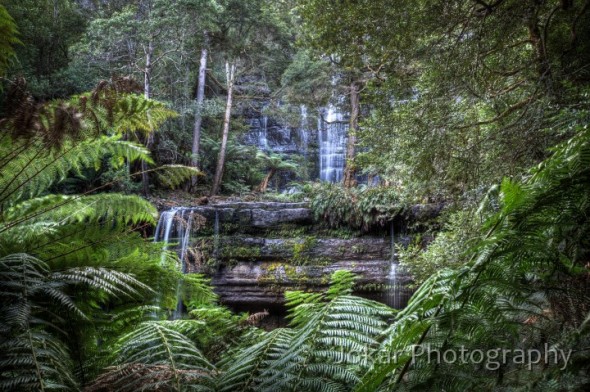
{"points": [[332, 131], [175, 224], [263, 134]]}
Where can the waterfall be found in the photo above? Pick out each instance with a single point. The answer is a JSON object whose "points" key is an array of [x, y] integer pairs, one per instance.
{"points": [[393, 292], [304, 130], [216, 236], [175, 224], [263, 134], [185, 237], [332, 139], [164, 229]]}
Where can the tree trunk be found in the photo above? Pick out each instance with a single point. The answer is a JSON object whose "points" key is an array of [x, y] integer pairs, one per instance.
{"points": [[198, 111], [349, 179], [230, 70], [147, 92], [264, 184]]}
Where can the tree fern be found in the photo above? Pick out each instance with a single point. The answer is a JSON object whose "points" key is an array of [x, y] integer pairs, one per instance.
{"points": [[34, 171], [66, 262], [35, 301], [330, 343], [242, 370], [170, 359]]}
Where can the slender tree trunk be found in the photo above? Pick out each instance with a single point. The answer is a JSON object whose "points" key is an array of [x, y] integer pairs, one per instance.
{"points": [[349, 179], [198, 111], [230, 70], [147, 92], [264, 184]]}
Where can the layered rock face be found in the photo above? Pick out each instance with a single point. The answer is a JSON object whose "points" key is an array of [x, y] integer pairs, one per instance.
{"points": [[276, 265], [254, 252], [252, 216]]}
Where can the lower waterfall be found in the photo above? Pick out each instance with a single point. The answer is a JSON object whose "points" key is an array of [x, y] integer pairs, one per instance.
{"points": [[175, 226]]}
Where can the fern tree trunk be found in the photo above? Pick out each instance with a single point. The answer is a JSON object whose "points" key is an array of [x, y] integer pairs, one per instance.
{"points": [[147, 92], [349, 179], [230, 69], [264, 183], [198, 111]]}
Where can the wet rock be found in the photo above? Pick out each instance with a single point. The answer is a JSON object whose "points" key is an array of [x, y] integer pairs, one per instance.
{"points": [[256, 215], [263, 284], [333, 249]]}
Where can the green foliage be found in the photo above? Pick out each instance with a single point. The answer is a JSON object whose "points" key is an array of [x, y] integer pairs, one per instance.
{"points": [[276, 162], [173, 176], [301, 249], [156, 356], [8, 34], [358, 208], [465, 95], [233, 253], [35, 302], [217, 330], [307, 80], [67, 261], [46, 29], [196, 291], [242, 170], [327, 347], [449, 248], [523, 287]]}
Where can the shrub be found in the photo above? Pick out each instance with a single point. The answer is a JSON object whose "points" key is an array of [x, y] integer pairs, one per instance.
{"points": [[359, 208]]}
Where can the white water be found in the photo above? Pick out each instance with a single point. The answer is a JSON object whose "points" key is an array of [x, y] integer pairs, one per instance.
{"points": [[175, 224], [393, 291], [332, 132], [164, 229], [304, 130], [216, 236], [263, 134]]}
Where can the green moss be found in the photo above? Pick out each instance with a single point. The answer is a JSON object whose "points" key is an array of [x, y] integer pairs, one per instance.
{"points": [[235, 253], [301, 250], [288, 230], [229, 227], [377, 287], [359, 249], [280, 272]]}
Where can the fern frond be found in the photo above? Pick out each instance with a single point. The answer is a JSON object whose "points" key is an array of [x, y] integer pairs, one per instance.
{"points": [[33, 171], [329, 346], [169, 355], [173, 176]]}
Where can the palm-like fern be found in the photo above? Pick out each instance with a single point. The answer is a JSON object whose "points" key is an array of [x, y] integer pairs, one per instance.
{"points": [[156, 357], [275, 163], [35, 301], [328, 348], [67, 259]]}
